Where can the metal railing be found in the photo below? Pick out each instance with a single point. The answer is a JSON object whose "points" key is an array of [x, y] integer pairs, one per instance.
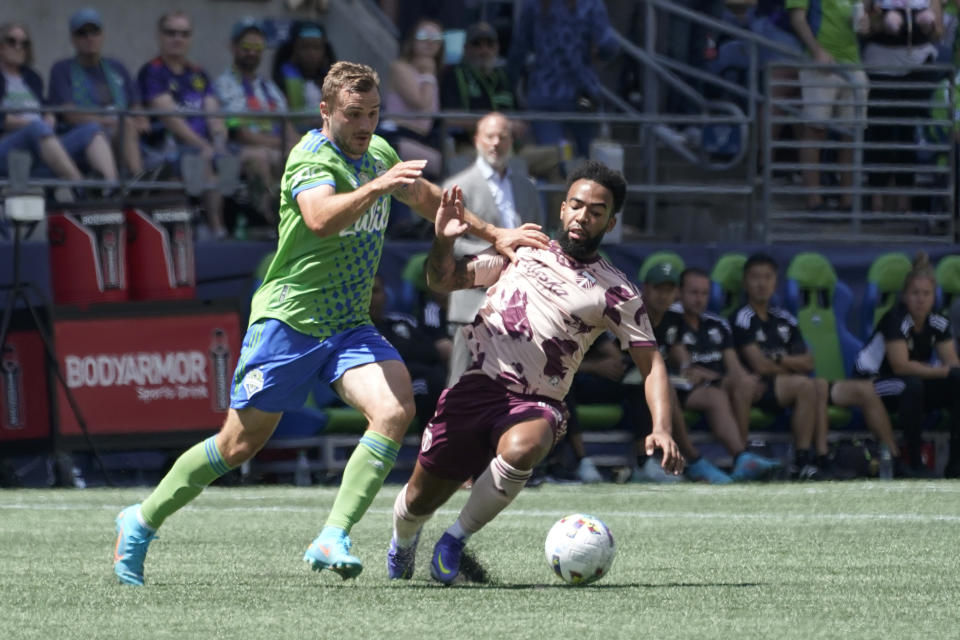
{"points": [[854, 209]]}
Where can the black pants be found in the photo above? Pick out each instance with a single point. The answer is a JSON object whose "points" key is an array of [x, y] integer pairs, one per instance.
{"points": [[917, 397]]}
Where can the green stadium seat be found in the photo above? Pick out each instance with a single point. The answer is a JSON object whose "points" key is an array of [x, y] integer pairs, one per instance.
{"points": [[811, 287], [726, 284], [884, 283], [661, 256], [948, 281]]}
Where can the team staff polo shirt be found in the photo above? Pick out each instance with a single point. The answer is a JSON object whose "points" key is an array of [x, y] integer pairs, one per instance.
{"points": [[321, 286], [705, 344], [897, 324], [778, 335], [832, 24]]}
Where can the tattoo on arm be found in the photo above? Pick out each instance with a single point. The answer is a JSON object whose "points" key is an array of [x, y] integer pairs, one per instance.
{"points": [[444, 273]]}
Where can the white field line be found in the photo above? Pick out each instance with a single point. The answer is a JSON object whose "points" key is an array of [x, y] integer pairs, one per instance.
{"points": [[533, 513]]}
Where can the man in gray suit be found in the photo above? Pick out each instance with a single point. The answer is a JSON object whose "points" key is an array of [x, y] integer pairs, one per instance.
{"points": [[498, 193]]}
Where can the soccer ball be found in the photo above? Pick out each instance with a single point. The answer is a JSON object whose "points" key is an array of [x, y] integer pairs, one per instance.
{"points": [[580, 549]]}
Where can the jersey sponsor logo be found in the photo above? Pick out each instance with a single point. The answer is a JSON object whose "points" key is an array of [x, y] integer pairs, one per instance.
{"points": [[709, 356], [761, 336], [690, 339], [374, 220], [252, 382], [784, 331], [715, 336]]}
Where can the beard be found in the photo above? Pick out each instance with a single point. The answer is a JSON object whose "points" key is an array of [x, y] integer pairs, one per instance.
{"points": [[579, 249]]}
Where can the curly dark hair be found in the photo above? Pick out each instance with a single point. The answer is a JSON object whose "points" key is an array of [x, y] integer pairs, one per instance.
{"points": [[604, 176]]}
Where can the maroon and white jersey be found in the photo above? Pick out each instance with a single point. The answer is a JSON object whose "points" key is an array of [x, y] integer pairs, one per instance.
{"points": [[542, 314]]}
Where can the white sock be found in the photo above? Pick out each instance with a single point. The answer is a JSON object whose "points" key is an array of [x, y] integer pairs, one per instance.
{"points": [[496, 488], [405, 524]]}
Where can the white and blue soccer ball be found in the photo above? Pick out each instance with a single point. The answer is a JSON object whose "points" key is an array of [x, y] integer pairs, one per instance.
{"points": [[580, 549]]}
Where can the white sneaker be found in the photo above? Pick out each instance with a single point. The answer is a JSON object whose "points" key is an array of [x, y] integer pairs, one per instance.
{"points": [[587, 472], [651, 471]]}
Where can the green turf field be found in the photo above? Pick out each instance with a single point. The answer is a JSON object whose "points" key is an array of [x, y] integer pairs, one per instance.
{"points": [[832, 560]]}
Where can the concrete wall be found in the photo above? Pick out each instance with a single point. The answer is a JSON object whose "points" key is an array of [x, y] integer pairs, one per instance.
{"points": [[130, 28]]}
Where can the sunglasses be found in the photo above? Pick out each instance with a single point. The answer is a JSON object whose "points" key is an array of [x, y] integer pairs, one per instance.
{"points": [[428, 36], [84, 32], [251, 47], [174, 33], [16, 43]]}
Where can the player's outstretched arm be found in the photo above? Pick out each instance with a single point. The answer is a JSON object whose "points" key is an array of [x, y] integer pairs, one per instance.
{"points": [[657, 392], [424, 197], [444, 272], [327, 213]]}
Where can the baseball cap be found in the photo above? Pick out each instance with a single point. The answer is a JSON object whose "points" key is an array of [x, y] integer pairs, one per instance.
{"points": [[481, 30], [662, 272], [242, 26], [83, 17], [310, 30]]}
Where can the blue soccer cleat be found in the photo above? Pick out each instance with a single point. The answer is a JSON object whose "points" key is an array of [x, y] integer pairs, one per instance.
{"points": [[445, 564], [400, 562], [331, 550], [131, 549], [750, 466], [705, 471]]}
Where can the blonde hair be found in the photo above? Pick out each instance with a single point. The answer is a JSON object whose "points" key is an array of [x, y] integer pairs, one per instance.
{"points": [[921, 269], [352, 76]]}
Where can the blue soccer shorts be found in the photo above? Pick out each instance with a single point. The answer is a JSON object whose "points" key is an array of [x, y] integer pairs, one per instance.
{"points": [[278, 366]]}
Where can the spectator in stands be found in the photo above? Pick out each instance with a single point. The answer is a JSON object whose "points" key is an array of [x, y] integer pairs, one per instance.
{"points": [[480, 83], [896, 56], [710, 378], [263, 143], [414, 87], [171, 82], [829, 94], [563, 37], [90, 80], [769, 344], [420, 353], [299, 67], [902, 17], [693, 44], [912, 360], [30, 131], [659, 294], [497, 195]]}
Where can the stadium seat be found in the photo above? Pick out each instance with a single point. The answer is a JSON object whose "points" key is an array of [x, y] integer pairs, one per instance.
{"points": [[948, 282], [812, 291], [726, 284], [884, 283], [661, 256]]}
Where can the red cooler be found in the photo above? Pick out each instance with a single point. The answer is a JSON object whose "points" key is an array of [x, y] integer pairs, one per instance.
{"points": [[87, 257], [24, 395], [160, 254]]}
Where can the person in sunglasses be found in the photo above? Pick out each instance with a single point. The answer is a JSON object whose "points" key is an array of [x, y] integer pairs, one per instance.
{"points": [[170, 82], [24, 128], [414, 87], [91, 80], [263, 142]]}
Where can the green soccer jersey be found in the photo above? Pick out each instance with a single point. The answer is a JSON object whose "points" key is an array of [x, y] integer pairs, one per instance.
{"points": [[321, 286]]}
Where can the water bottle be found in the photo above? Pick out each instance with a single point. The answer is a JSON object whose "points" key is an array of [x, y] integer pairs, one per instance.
{"points": [[885, 468]]}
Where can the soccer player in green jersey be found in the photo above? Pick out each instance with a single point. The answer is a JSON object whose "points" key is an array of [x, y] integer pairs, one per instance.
{"points": [[310, 320]]}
